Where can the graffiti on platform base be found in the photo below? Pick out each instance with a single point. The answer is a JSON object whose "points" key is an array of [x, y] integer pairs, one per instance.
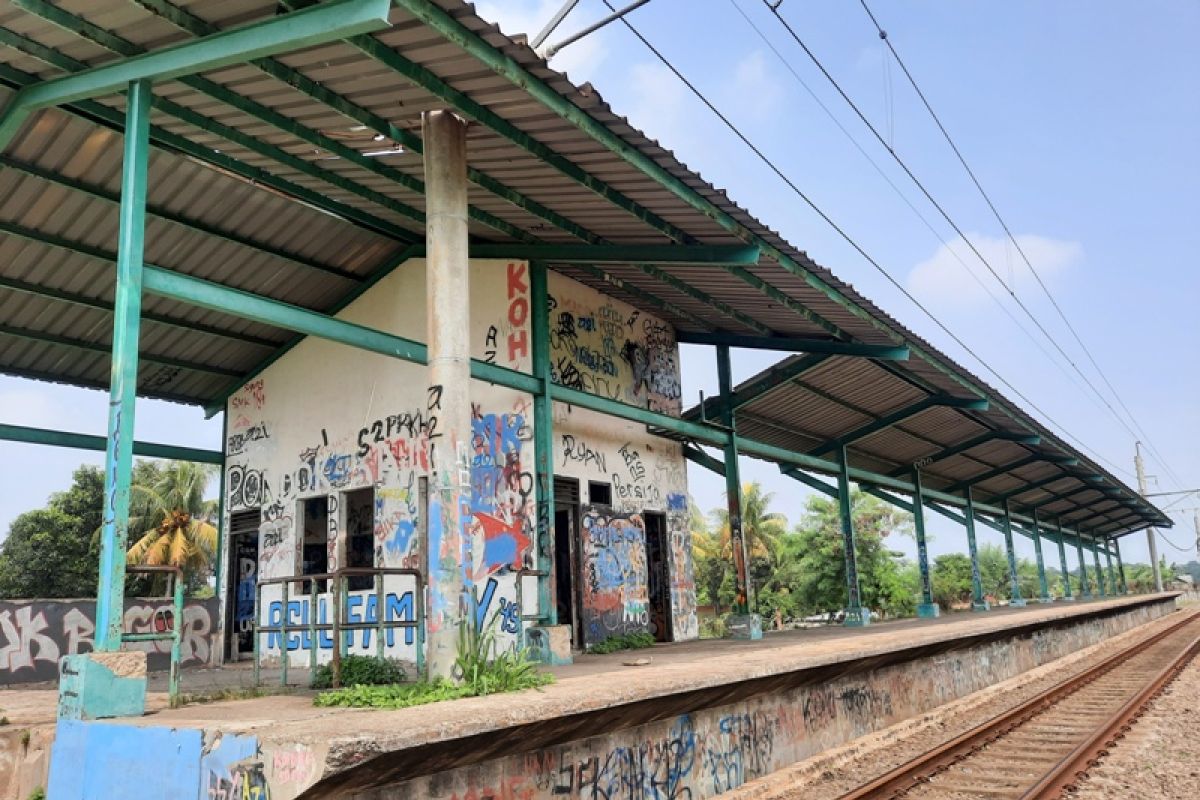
{"points": [[35, 634]]}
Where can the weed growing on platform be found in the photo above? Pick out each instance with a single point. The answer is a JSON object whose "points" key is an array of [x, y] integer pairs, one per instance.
{"points": [[628, 641], [482, 669], [361, 671]]}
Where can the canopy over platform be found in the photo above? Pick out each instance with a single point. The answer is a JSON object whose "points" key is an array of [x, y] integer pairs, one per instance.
{"points": [[299, 178]]}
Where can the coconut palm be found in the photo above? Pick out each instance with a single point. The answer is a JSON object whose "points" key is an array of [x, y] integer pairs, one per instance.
{"points": [[762, 530], [175, 518]]}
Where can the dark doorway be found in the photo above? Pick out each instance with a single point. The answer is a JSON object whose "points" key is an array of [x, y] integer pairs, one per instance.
{"points": [[242, 584], [360, 536], [659, 575], [566, 527]]}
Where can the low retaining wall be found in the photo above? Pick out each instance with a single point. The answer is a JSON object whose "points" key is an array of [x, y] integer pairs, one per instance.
{"points": [[721, 742], [36, 634]]}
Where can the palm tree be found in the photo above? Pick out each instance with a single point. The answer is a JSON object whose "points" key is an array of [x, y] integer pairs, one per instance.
{"points": [[762, 530], [176, 519]]}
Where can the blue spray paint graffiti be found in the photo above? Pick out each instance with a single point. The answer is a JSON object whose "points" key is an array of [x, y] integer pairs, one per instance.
{"points": [[359, 608]]}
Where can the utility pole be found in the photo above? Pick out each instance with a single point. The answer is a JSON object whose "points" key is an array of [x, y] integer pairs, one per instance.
{"points": [[1151, 533]]}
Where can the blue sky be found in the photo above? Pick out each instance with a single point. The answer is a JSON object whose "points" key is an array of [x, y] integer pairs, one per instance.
{"points": [[1080, 120]]}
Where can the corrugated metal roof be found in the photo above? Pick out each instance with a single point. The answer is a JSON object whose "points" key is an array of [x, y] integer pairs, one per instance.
{"points": [[63, 170]]}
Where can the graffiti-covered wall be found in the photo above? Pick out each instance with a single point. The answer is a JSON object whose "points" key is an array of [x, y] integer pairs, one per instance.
{"points": [[35, 634], [330, 445]]}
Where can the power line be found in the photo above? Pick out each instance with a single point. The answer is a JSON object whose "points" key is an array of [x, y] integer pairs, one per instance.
{"points": [[1008, 231], [842, 232], [1162, 536], [903, 165], [949, 249]]}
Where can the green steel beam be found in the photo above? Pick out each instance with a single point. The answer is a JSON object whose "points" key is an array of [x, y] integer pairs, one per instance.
{"points": [[172, 142], [672, 254], [84, 301], [162, 212], [118, 455], [1044, 588], [1004, 468], [855, 614], [83, 441], [106, 350], [1085, 593], [543, 440], [1014, 580], [1060, 497], [926, 608], [698, 456], [810, 481], [1062, 560], [978, 602], [790, 344], [886, 421], [287, 32], [216, 297], [733, 489], [772, 378]]}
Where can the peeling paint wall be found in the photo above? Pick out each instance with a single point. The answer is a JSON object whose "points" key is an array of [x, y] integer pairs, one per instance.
{"points": [[708, 752], [326, 421]]}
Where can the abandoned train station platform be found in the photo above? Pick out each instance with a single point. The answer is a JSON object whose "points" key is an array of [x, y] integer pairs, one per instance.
{"points": [[701, 718], [437, 293]]}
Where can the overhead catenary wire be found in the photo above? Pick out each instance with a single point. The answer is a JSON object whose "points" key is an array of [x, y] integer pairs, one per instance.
{"points": [[1008, 232], [849, 239], [924, 220], [774, 9]]}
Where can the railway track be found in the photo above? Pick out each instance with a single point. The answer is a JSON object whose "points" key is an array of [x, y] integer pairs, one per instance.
{"points": [[1039, 749]]}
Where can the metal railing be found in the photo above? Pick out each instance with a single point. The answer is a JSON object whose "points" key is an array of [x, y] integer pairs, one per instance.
{"points": [[176, 633], [337, 626]]}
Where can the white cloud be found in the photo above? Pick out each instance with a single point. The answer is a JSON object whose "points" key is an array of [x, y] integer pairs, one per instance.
{"points": [[579, 61], [755, 89], [31, 407], [942, 279], [659, 103]]}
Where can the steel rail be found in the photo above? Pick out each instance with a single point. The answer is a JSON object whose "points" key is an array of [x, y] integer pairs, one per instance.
{"points": [[915, 773]]}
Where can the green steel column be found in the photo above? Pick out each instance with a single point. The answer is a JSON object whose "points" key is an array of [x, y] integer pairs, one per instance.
{"points": [[222, 528], [926, 608], [1044, 588], [543, 438], [127, 310], [733, 485], [1014, 580], [978, 603], [1120, 567], [856, 615], [1062, 560], [1112, 576], [1084, 592], [1099, 572]]}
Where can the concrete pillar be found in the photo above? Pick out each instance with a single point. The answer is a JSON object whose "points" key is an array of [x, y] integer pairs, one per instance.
{"points": [[1043, 587], [1014, 580], [978, 603], [926, 608], [451, 555]]}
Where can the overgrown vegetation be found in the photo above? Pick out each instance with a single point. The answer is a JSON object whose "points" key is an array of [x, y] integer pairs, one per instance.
{"points": [[628, 641], [37, 794], [482, 668], [361, 671]]}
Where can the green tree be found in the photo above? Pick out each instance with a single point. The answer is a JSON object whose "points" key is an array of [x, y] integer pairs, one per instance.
{"points": [[819, 581], [54, 552], [951, 578], [173, 503]]}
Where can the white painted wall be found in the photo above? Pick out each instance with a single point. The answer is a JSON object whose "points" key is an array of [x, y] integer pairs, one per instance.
{"points": [[327, 419]]}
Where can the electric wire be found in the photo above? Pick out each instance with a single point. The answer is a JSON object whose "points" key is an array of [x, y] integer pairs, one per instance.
{"points": [[1162, 536], [924, 220], [941, 210], [1008, 231], [846, 236]]}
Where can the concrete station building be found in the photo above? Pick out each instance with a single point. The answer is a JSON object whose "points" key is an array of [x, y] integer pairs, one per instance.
{"points": [[437, 292]]}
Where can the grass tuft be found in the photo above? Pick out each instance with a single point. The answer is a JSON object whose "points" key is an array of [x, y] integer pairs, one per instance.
{"points": [[628, 641]]}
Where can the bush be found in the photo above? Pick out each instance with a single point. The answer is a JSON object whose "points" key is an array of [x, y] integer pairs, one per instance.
{"points": [[628, 641], [713, 628], [361, 671], [483, 672]]}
